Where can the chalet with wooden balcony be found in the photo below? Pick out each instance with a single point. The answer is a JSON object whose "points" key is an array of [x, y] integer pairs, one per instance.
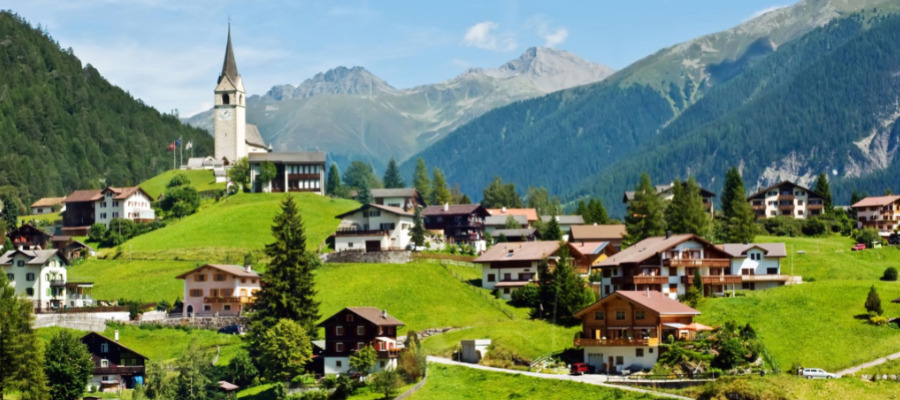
{"points": [[787, 199], [353, 328], [29, 237], [623, 331], [759, 265], [878, 212], [667, 264], [37, 275], [216, 289], [116, 367], [665, 192], [509, 266], [374, 227], [459, 223], [406, 198], [294, 172]]}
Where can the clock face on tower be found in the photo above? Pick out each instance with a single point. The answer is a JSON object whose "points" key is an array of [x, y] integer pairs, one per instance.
{"points": [[225, 114]]}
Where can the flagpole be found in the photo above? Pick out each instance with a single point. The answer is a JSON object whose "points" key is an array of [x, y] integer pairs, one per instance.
{"points": [[181, 151], [173, 158]]}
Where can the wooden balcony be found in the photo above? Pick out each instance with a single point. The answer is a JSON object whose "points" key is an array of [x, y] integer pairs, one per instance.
{"points": [[814, 206], [650, 280], [697, 262], [296, 177], [228, 299], [765, 278], [786, 197], [785, 206], [120, 370], [579, 342], [721, 279], [361, 232], [390, 353]]}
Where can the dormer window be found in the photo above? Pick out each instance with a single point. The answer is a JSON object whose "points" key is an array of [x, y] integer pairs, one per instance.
{"points": [[104, 347]]}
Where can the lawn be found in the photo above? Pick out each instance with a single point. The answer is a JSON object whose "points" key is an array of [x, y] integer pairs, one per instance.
{"points": [[447, 382], [145, 280], [48, 218], [226, 230], [526, 339], [830, 258], [203, 180], [891, 367], [813, 324], [792, 387]]}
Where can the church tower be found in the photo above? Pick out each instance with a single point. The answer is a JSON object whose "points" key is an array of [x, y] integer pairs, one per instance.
{"points": [[230, 111]]}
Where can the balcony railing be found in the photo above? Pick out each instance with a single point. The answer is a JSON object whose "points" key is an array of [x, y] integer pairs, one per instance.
{"points": [[228, 299], [391, 353], [786, 197], [650, 280], [356, 231], [760, 207], [721, 279], [579, 342], [765, 278], [697, 262], [785, 206], [57, 283], [120, 370], [814, 206]]}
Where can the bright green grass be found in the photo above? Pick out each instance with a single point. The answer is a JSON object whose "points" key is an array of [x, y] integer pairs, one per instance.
{"points": [[813, 324], [134, 280], [447, 382], [830, 258], [48, 218], [422, 295], [265, 392], [225, 231], [795, 388], [164, 344], [202, 180], [891, 367], [525, 339]]}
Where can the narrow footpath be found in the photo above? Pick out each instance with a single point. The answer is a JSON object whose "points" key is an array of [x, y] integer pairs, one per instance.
{"points": [[598, 380], [879, 361]]}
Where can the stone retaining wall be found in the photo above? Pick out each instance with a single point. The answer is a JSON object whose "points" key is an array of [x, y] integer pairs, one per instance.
{"points": [[211, 323], [378, 257], [81, 321]]}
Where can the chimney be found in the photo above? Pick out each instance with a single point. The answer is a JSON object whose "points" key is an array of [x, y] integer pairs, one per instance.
{"points": [[503, 210], [446, 206], [247, 268], [384, 314], [117, 335], [668, 234], [648, 291]]}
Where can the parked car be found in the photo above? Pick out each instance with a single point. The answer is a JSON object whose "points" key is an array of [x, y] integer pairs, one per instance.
{"points": [[858, 247], [578, 368], [814, 373], [234, 329]]}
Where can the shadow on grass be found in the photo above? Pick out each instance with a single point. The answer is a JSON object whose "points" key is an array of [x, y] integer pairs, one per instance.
{"points": [[864, 317], [268, 394], [475, 282]]}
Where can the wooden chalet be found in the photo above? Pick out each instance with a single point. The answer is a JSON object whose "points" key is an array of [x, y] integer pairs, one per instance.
{"points": [[353, 328], [116, 367]]}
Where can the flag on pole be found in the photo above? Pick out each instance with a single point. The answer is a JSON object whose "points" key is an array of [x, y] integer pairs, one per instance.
{"points": [[189, 145], [172, 146], [178, 142]]}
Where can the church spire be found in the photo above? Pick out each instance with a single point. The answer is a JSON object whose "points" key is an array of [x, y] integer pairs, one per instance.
{"points": [[229, 67]]}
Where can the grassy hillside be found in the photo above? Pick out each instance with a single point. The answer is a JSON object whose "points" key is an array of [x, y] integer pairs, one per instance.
{"points": [[794, 388], [225, 231], [831, 259], [146, 280], [447, 382], [202, 180]]}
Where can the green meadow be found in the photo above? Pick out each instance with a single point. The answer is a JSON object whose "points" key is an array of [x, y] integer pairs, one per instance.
{"points": [[203, 180]]}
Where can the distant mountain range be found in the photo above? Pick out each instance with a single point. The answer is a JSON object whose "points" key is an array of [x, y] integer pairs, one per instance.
{"points": [[345, 106], [800, 90]]}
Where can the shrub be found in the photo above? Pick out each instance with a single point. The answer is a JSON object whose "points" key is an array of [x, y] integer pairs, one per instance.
{"points": [[527, 296], [878, 320], [783, 226], [873, 302], [814, 227], [179, 180], [98, 231], [890, 274], [867, 236]]}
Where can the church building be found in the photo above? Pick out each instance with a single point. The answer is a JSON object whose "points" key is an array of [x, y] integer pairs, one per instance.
{"points": [[236, 139]]}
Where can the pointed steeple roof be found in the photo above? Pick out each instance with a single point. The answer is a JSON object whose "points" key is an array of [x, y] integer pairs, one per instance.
{"points": [[229, 67]]}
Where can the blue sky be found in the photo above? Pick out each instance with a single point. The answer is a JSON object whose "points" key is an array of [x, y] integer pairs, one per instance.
{"points": [[169, 53]]}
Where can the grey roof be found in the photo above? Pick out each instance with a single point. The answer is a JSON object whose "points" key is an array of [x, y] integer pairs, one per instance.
{"points": [[565, 219], [392, 210], [500, 220], [298, 157], [36, 257], [398, 192], [513, 232], [740, 249], [629, 195], [229, 67], [253, 137]]}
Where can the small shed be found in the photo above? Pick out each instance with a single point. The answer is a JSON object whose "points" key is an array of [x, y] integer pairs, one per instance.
{"points": [[473, 350]]}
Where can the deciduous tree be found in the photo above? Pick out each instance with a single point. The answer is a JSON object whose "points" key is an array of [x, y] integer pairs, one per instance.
{"points": [[21, 355], [363, 360], [267, 172], [498, 195], [240, 173], [68, 366], [284, 351], [359, 172]]}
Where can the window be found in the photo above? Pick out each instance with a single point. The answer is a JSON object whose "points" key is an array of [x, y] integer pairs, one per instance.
{"points": [[492, 278], [506, 290], [220, 277], [748, 286], [102, 204], [772, 271], [20, 263], [638, 352], [620, 360], [104, 347], [226, 292], [10, 277], [360, 330], [339, 331], [29, 292], [620, 315], [29, 277], [339, 347], [115, 203], [599, 316], [226, 99], [350, 244], [349, 317], [338, 364], [673, 288], [207, 307], [200, 278], [359, 346], [213, 292], [196, 293], [227, 307], [639, 314]]}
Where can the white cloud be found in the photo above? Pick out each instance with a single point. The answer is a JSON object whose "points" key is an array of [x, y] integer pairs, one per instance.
{"points": [[766, 10], [482, 36], [552, 37]]}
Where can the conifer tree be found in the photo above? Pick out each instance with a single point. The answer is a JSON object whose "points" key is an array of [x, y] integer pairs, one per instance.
{"points": [[21, 358], [821, 187], [364, 194], [644, 213], [421, 181], [418, 230], [873, 302], [739, 218], [734, 185], [552, 230], [289, 291], [439, 192], [333, 181], [392, 178], [598, 212], [582, 210], [685, 213], [465, 199]]}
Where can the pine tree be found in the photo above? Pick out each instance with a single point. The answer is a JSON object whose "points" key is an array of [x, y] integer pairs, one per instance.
{"points": [[289, 291], [582, 210], [739, 218], [21, 357], [644, 213], [421, 181], [68, 366], [598, 212], [873, 302], [734, 186], [418, 230], [364, 194], [333, 181], [821, 187], [392, 178], [439, 192], [498, 195], [696, 217], [465, 199]]}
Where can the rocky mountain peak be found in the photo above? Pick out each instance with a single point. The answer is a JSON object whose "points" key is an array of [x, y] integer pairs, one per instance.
{"points": [[355, 81], [552, 69]]}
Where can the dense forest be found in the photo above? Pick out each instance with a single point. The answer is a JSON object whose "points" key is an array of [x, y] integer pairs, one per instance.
{"points": [[64, 127], [803, 105]]}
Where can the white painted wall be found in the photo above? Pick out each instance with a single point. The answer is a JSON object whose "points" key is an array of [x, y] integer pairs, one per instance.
{"points": [[598, 355], [332, 368], [760, 267], [137, 206], [398, 239], [43, 274]]}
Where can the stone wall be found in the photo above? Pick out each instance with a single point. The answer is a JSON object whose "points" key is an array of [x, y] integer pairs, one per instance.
{"points": [[378, 257], [81, 321], [211, 323]]}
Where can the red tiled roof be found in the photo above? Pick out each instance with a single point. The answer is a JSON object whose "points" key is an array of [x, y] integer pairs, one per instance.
{"points": [[598, 232], [84, 195], [529, 213], [875, 201]]}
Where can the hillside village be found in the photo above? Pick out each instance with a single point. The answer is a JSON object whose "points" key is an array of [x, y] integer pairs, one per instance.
{"points": [[251, 273]]}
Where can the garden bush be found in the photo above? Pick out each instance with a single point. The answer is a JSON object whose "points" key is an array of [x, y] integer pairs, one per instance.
{"points": [[890, 274]]}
